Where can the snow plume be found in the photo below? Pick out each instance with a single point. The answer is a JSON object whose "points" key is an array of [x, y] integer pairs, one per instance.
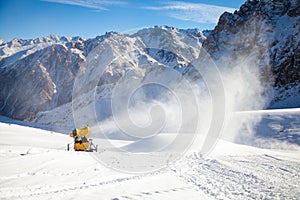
{"points": [[162, 106], [171, 109], [152, 104], [244, 92]]}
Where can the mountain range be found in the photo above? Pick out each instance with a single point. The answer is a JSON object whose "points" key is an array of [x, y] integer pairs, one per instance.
{"points": [[37, 76]]}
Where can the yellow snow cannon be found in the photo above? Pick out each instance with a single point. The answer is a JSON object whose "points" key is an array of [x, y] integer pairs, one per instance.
{"points": [[81, 142]]}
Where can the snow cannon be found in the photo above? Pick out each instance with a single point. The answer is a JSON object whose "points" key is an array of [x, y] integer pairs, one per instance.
{"points": [[81, 141]]}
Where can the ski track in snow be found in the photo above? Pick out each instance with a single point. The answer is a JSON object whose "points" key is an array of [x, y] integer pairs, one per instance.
{"points": [[85, 185], [242, 177], [230, 177], [41, 171], [52, 189]]}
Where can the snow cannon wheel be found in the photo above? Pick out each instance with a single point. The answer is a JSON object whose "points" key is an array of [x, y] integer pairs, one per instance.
{"points": [[68, 147]]}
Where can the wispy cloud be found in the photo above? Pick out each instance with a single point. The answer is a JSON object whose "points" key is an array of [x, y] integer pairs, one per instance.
{"points": [[94, 4], [201, 13]]}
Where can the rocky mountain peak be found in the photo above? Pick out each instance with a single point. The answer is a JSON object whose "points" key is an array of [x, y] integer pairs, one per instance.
{"points": [[269, 28]]}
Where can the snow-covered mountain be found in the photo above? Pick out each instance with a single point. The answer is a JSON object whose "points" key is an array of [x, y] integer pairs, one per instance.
{"points": [[35, 81], [38, 75]]}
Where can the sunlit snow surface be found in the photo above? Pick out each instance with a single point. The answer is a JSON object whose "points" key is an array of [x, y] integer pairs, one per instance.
{"points": [[34, 164]]}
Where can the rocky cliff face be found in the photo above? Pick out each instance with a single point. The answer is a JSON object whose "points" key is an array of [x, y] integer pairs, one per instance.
{"points": [[37, 74], [40, 81], [269, 29]]}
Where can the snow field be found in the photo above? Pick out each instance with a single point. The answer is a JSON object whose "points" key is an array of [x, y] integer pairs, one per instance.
{"points": [[34, 164]]}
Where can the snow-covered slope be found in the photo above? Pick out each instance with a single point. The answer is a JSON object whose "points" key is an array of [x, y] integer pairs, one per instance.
{"points": [[34, 164]]}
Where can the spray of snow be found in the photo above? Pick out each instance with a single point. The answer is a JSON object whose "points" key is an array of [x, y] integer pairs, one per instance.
{"points": [[243, 91]]}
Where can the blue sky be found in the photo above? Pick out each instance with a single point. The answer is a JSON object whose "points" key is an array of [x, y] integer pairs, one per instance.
{"points": [[89, 18]]}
